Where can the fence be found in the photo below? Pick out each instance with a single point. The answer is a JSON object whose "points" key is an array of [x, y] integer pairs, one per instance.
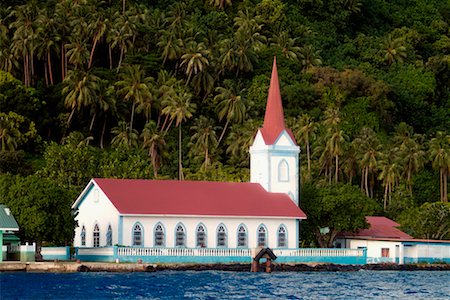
{"points": [[217, 255], [55, 253]]}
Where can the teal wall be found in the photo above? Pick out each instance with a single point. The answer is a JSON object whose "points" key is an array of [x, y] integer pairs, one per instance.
{"points": [[65, 253], [1, 246]]}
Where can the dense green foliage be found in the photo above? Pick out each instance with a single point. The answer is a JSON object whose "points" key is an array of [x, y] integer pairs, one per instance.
{"points": [[177, 89]]}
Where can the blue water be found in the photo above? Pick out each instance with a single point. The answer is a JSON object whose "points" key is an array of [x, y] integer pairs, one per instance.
{"points": [[227, 285]]}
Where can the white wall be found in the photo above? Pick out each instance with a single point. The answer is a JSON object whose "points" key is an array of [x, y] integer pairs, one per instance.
{"points": [[96, 209], [265, 160], [211, 224], [374, 248]]}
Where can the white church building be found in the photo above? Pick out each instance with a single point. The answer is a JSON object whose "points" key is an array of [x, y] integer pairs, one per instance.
{"points": [[198, 221]]}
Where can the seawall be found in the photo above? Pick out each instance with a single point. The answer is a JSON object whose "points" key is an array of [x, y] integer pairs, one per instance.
{"points": [[71, 267]]}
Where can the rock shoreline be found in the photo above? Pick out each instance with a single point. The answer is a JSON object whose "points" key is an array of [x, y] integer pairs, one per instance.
{"points": [[72, 267]]}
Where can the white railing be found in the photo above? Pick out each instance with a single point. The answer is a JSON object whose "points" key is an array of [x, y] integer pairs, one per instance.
{"points": [[319, 252], [107, 251], [131, 251]]}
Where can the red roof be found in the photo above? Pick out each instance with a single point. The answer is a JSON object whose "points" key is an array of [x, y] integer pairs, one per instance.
{"points": [[381, 227], [197, 198], [274, 117]]}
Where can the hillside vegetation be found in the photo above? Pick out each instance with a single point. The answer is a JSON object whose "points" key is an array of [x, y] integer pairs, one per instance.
{"points": [[177, 89]]}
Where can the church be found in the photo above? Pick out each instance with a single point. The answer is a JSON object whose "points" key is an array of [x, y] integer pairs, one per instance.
{"points": [[198, 214]]}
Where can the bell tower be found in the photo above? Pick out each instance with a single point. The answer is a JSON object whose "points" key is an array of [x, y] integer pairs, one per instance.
{"points": [[274, 154]]}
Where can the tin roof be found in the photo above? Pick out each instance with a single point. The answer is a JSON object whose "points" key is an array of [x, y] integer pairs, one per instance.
{"points": [[380, 227], [195, 198], [7, 221]]}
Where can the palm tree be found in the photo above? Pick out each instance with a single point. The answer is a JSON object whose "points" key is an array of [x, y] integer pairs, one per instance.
{"points": [[9, 132], [440, 159], [390, 172], [154, 141], [195, 59], [76, 52], [122, 34], [134, 87], [23, 40], [231, 105], [47, 42], [7, 57], [98, 29], [124, 136], [286, 44], [309, 57], [394, 49], [368, 153], [220, 3], [81, 89], [170, 44], [304, 131], [179, 108], [204, 138]]}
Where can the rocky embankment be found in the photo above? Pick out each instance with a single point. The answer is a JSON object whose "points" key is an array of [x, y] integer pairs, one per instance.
{"points": [[68, 267]]}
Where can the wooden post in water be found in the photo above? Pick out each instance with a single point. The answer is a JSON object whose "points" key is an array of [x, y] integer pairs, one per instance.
{"points": [[255, 266], [268, 265]]}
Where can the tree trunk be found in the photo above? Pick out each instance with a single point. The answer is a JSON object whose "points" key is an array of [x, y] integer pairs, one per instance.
{"points": [[131, 121], [103, 133], [110, 57], [46, 73], [62, 61], [120, 58], [366, 181], [337, 168], [223, 132], [385, 195], [441, 183], [92, 122], [50, 72], [308, 157], [92, 51], [180, 166], [445, 187]]}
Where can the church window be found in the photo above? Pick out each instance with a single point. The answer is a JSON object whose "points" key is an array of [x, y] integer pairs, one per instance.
{"points": [[180, 236], [83, 236], [201, 236], [262, 236], [159, 235], [137, 235], [221, 236], [242, 236], [109, 236], [281, 237], [283, 171], [96, 236]]}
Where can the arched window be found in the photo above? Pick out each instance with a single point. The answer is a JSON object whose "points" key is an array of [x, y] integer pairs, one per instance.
{"points": [[96, 236], [242, 236], [83, 236], [221, 236], [282, 237], [137, 235], [180, 236], [262, 236], [201, 236], [159, 235], [109, 236], [283, 171]]}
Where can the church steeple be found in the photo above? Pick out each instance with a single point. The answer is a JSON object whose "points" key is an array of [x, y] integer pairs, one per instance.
{"points": [[274, 117], [274, 153]]}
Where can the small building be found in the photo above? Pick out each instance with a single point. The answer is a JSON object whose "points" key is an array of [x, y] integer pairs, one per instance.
{"points": [[7, 225], [385, 243]]}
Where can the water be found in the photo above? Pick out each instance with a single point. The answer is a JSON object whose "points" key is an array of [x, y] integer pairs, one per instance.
{"points": [[227, 285]]}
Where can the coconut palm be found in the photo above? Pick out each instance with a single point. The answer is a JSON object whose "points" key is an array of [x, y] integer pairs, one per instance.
{"points": [[98, 29], [440, 158], [47, 42], [231, 105], [179, 108], [309, 57], [286, 44], [204, 138], [9, 132], [134, 87], [80, 90], [368, 152], [124, 135], [154, 141], [220, 3], [390, 172], [394, 50], [304, 131], [195, 59]]}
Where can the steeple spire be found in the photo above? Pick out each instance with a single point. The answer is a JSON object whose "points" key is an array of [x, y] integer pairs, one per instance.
{"points": [[274, 117]]}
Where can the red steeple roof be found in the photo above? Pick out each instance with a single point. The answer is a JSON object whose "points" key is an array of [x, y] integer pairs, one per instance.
{"points": [[274, 117]]}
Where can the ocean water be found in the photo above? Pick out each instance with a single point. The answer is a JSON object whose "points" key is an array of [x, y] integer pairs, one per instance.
{"points": [[227, 285]]}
